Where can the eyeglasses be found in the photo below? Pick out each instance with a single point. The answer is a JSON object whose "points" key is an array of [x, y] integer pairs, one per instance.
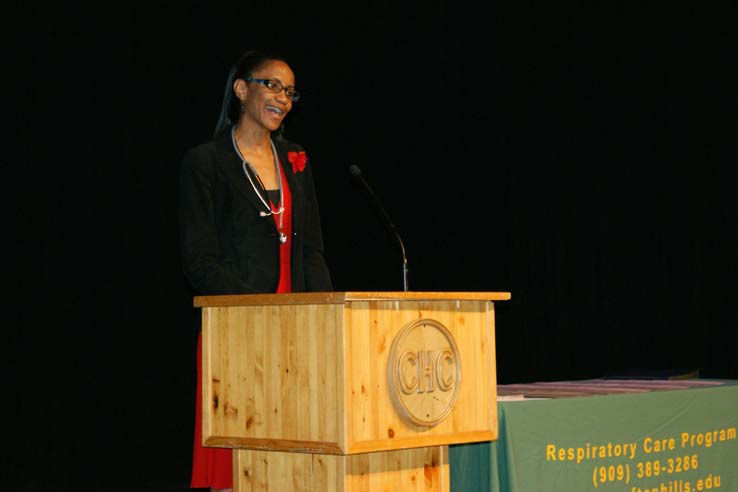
{"points": [[276, 87]]}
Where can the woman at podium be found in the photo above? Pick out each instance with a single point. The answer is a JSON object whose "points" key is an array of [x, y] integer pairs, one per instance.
{"points": [[248, 213]]}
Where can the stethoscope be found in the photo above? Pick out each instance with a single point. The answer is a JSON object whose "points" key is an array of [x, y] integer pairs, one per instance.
{"points": [[244, 164]]}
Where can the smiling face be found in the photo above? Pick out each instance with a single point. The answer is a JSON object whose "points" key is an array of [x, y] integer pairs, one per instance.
{"points": [[262, 106]]}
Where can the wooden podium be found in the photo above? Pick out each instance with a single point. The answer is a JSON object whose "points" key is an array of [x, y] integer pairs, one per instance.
{"points": [[347, 391]]}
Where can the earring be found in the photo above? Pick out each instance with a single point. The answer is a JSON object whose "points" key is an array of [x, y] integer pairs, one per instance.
{"points": [[243, 105]]}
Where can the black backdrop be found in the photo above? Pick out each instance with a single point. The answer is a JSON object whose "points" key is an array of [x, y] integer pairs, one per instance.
{"points": [[581, 157]]}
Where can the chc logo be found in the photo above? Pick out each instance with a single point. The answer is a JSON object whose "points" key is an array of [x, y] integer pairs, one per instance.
{"points": [[424, 372]]}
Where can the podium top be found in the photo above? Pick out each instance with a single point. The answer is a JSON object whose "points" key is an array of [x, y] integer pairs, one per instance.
{"points": [[343, 297]]}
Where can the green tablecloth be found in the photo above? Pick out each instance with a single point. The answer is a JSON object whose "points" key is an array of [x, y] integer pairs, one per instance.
{"points": [[660, 441]]}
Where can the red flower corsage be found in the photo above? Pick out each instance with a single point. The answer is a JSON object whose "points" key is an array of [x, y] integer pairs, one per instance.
{"points": [[298, 160]]}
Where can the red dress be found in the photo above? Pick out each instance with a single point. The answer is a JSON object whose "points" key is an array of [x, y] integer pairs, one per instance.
{"points": [[213, 467]]}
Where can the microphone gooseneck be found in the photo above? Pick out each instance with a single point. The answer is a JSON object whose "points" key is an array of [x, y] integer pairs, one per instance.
{"points": [[356, 174]]}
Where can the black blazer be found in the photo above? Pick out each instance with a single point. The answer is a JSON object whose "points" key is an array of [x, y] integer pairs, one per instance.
{"points": [[226, 246]]}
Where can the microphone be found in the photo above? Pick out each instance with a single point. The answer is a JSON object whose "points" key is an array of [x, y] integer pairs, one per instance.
{"points": [[356, 174]]}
